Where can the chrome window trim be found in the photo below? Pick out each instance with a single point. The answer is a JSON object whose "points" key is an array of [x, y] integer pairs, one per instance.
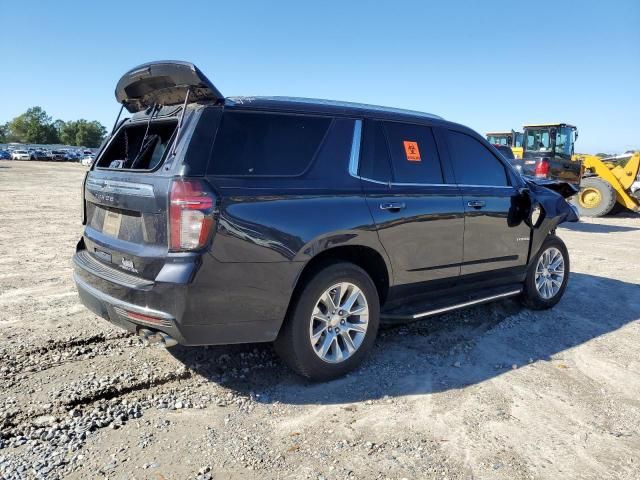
{"points": [[354, 163], [354, 158]]}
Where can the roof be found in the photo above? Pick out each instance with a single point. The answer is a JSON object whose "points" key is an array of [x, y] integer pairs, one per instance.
{"points": [[559, 124], [324, 106]]}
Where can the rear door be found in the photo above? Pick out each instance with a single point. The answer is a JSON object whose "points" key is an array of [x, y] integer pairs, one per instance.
{"points": [[419, 216], [493, 239]]}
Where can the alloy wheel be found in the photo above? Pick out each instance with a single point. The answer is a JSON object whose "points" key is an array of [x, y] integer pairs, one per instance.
{"points": [[339, 322], [549, 273]]}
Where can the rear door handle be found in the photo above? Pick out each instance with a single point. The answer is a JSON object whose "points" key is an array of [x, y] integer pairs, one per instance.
{"points": [[476, 203], [392, 206]]}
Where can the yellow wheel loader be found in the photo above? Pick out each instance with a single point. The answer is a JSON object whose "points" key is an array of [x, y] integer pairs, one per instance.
{"points": [[608, 184], [511, 139]]}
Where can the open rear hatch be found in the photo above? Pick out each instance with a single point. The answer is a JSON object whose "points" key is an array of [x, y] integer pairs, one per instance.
{"points": [[126, 193], [164, 83]]}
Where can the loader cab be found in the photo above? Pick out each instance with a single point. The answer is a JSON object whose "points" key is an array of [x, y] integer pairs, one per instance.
{"points": [[550, 140], [548, 150], [511, 139]]}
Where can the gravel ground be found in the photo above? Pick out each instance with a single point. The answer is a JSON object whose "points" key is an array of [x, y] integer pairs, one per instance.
{"points": [[491, 392]]}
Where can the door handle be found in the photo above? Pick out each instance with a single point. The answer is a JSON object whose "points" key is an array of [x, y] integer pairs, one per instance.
{"points": [[392, 206], [476, 203]]}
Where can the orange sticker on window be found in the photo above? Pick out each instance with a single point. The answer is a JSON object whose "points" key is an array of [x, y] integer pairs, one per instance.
{"points": [[412, 151]]}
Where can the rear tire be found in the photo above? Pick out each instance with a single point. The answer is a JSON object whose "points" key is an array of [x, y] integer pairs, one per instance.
{"points": [[319, 344], [547, 276], [596, 197]]}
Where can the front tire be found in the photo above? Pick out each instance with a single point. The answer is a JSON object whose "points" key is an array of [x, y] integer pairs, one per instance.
{"points": [[332, 323], [547, 276], [596, 197]]}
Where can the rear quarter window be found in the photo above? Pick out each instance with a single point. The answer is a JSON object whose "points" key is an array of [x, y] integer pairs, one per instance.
{"points": [[266, 144]]}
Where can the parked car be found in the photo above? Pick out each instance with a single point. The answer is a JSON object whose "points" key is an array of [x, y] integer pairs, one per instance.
{"points": [[5, 155], [87, 160], [39, 155], [20, 155], [303, 222], [507, 153], [58, 155]]}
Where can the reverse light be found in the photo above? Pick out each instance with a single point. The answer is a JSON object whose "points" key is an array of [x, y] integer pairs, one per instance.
{"points": [[542, 168], [191, 207]]}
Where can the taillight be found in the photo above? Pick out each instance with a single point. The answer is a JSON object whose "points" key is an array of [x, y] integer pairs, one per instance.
{"points": [[191, 207], [542, 169]]}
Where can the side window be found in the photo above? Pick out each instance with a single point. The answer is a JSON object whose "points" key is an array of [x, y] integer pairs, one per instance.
{"points": [[414, 155], [374, 160], [255, 144], [473, 163]]}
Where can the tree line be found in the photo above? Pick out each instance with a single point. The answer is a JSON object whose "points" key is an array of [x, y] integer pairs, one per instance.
{"points": [[35, 126]]}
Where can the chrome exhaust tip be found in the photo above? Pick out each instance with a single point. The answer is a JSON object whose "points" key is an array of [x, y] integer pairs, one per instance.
{"points": [[167, 340], [149, 337]]}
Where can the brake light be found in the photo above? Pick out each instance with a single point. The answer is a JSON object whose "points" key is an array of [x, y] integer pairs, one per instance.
{"points": [[542, 168], [191, 207]]}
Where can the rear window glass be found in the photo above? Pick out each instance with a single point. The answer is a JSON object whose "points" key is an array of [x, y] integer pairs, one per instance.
{"points": [[258, 144], [414, 155], [139, 146]]}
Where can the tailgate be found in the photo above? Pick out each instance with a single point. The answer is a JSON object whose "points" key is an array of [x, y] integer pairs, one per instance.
{"points": [[127, 220]]}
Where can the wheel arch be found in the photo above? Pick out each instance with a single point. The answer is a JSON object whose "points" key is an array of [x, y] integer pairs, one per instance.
{"points": [[368, 258]]}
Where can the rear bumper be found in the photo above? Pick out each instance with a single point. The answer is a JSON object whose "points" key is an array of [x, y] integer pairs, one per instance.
{"points": [[173, 308]]}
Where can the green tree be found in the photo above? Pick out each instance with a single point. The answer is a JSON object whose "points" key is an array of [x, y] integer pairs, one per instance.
{"points": [[58, 125], [3, 133], [33, 126], [82, 133], [68, 131]]}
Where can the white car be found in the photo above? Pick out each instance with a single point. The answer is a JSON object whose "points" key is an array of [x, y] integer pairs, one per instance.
{"points": [[20, 155], [86, 161]]}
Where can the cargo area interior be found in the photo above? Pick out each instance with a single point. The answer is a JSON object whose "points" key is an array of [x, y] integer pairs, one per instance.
{"points": [[139, 146]]}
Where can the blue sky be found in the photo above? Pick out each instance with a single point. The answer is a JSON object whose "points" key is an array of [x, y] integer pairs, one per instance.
{"points": [[489, 65]]}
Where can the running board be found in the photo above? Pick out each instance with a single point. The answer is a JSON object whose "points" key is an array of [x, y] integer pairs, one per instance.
{"points": [[404, 315]]}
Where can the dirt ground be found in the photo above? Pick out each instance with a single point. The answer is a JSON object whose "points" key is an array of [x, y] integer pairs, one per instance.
{"points": [[494, 392]]}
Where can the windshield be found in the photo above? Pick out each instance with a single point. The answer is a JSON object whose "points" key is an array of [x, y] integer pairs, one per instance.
{"points": [[538, 140], [499, 139]]}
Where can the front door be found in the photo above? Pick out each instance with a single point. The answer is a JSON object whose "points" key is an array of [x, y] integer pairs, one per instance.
{"points": [[494, 238]]}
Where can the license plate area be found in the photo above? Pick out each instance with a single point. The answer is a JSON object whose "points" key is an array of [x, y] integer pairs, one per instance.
{"points": [[127, 225], [112, 222]]}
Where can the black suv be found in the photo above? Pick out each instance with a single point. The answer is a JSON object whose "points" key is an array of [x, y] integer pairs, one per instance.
{"points": [[213, 220]]}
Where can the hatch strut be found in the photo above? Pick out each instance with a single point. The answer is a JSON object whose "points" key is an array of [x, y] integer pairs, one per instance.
{"points": [[143, 145], [117, 119], [179, 129]]}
